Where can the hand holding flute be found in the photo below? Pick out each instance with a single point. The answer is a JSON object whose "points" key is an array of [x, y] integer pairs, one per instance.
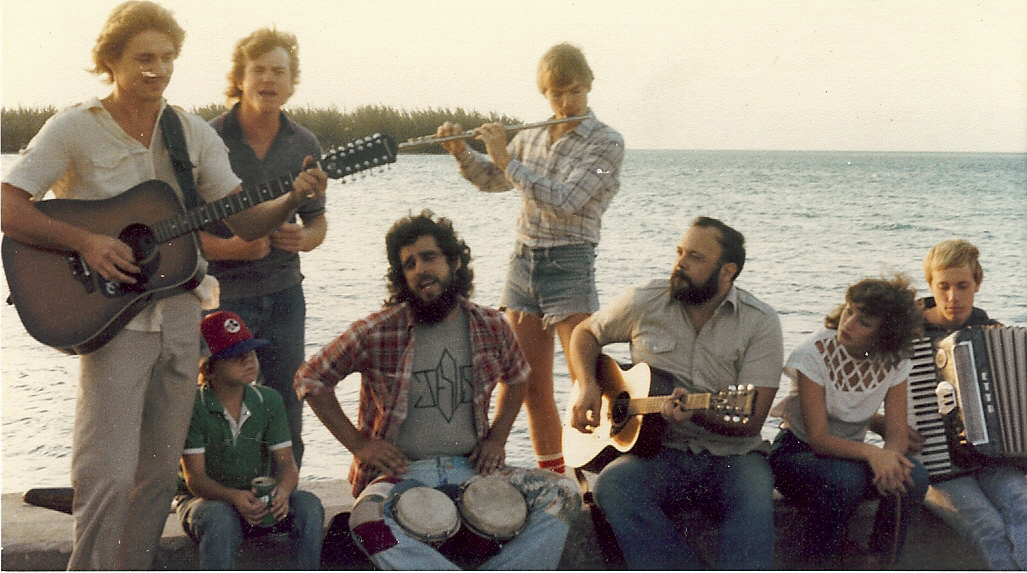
{"points": [[454, 146], [493, 135]]}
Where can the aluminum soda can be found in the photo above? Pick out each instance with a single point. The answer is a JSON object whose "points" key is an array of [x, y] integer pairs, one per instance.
{"points": [[264, 488]]}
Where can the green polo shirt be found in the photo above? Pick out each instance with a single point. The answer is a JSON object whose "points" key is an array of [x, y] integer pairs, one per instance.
{"points": [[231, 459]]}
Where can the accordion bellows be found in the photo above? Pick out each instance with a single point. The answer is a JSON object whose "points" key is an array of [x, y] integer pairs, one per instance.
{"points": [[987, 367]]}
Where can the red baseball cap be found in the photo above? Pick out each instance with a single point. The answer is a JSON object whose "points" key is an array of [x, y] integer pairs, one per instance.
{"points": [[227, 335]]}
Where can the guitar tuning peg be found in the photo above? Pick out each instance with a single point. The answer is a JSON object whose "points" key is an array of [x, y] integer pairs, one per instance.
{"points": [[732, 388], [750, 387]]}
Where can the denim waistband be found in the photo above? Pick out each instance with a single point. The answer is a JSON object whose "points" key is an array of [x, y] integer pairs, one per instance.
{"points": [[523, 250]]}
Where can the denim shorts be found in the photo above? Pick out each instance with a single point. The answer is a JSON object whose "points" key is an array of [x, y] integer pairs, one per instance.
{"points": [[554, 282]]}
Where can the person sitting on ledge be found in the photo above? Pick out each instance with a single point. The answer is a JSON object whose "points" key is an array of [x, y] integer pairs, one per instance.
{"points": [[236, 429]]}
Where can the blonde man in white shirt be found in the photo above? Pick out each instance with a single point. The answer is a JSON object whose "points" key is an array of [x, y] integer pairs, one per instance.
{"points": [[136, 391]]}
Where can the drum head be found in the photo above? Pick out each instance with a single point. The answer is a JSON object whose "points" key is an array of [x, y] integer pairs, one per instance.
{"points": [[493, 508], [426, 514]]}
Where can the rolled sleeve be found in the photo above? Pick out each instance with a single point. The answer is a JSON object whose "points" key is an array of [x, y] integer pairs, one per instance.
{"points": [[764, 356]]}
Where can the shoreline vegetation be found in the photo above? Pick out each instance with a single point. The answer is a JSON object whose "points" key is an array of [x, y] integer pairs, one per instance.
{"points": [[331, 126]]}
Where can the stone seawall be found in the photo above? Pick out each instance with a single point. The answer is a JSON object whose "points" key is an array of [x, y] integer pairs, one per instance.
{"points": [[37, 539]]}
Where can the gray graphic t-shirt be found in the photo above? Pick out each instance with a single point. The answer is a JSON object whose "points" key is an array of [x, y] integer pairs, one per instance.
{"points": [[440, 420]]}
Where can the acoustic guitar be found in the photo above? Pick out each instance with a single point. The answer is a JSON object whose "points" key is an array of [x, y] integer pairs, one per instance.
{"points": [[630, 419], [65, 304]]}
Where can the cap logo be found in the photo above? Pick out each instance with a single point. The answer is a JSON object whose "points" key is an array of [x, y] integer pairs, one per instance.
{"points": [[232, 325]]}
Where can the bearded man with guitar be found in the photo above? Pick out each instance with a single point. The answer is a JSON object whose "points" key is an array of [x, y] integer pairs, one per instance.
{"points": [[708, 335], [136, 390]]}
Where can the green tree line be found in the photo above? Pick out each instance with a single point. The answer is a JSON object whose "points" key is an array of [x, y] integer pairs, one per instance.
{"points": [[331, 126]]}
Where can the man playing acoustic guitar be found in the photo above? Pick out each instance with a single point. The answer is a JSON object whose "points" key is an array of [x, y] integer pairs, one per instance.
{"points": [[136, 392], [709, 335]]}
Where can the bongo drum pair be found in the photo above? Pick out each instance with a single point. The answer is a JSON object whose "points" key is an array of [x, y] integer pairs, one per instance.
{"points": [[487, 506]]}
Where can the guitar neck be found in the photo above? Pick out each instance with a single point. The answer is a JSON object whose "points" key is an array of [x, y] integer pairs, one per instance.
{"points": [[652, 404], [198, 217]]}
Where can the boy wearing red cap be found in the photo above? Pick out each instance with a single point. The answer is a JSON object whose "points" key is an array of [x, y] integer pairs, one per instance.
{"points": [[236, 428]]}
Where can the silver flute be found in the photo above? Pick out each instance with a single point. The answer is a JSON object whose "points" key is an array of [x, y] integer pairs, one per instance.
{"points": [[428, 139]]}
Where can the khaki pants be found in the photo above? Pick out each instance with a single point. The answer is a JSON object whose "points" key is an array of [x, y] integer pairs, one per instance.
{"points": [[133, 410]]}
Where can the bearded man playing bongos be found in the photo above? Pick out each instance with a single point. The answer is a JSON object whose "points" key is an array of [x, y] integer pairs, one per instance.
{"points": [[427, 461]]}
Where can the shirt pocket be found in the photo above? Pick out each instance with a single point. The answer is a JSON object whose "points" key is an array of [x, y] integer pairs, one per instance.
{"points": [[111, 173], [655, 343]]}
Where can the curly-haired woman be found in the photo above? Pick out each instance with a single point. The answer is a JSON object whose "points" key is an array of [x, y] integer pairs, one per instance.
{"points": [[841, 375]]}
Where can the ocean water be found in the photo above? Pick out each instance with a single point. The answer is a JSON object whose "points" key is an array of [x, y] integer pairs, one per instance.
{"points": [[814, 223]]}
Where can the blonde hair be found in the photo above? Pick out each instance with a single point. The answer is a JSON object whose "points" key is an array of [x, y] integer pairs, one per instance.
{"points": [[127, 20], [562, 65], [256, 45], [953, 253]]}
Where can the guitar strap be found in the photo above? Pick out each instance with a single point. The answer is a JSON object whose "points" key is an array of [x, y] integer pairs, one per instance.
{"points": [[174, 140]]}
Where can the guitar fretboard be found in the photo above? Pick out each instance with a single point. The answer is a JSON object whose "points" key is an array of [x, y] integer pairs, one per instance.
{"points": [[201, 216], [652, 404]]}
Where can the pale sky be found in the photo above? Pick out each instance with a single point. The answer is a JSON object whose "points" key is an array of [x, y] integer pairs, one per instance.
{"points": [[682, 74]]}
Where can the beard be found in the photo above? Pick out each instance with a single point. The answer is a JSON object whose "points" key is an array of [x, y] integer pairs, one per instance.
{"points": [[434, 311], [688, 293]]}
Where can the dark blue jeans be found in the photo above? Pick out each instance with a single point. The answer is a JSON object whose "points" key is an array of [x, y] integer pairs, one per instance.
{"points": [[218, 529], [831, 489], [639, 495], [280, 319]]}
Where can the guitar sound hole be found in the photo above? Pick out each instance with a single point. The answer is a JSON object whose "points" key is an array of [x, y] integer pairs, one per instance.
{"points": [[144, 248], [619, 410]]}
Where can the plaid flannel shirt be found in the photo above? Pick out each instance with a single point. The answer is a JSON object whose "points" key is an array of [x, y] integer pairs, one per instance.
{"points": [[565, 186], [381, 348]]}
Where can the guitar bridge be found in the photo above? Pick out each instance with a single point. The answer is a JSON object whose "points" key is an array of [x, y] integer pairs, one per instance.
{"points": [[80, 270]]}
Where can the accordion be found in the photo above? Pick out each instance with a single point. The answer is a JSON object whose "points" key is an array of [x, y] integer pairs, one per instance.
{"points": [[986, 368], [923, 413]]}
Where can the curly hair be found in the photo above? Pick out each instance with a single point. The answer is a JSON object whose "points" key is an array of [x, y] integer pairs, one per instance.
{"points": [[406, 232], [127, 20], [256, 45], [894, 302]]}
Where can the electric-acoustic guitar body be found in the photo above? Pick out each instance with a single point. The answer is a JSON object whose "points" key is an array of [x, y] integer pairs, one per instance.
{"points": [[64, 304]]}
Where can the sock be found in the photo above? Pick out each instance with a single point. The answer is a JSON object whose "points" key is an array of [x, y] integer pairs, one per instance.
{"points": [[552, 462]]}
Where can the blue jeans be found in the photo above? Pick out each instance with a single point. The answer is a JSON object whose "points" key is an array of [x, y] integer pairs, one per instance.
{"points": [[280, 319], [553, 282], [218, 529], [991, 508], [639, 495], [831, 490], [553, 501]]}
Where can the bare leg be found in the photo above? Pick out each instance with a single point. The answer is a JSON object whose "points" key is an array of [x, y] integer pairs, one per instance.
{"points": [[564, 328], [543, 417]]}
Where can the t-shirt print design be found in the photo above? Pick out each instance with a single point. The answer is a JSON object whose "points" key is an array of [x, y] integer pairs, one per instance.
{"points": [[446, 386]]}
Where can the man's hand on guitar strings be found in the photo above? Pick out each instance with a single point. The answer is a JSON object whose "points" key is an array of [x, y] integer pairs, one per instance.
{"points": [[587, 408], [673, 407], [311, 182], [110, 257]]}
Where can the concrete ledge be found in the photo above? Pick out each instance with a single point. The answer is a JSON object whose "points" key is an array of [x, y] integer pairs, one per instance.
{"points": [[37, 539]]}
